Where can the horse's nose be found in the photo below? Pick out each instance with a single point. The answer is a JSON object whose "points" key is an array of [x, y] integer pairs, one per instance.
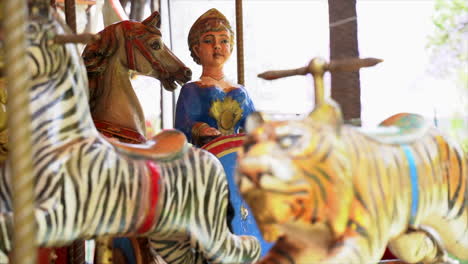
{"points": [[188, 73]]}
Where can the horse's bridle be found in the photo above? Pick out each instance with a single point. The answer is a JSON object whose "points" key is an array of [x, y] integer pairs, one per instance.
{"points": [[132, 42]]}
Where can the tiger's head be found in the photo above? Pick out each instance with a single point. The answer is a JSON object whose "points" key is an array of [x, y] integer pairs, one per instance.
{"points": [[295, 172]]}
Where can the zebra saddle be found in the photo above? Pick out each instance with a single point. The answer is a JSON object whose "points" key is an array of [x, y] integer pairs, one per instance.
{"points": [[165, 146]]}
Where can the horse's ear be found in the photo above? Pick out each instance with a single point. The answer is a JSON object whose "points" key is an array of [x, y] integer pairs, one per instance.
{"points": [[154, 20]]}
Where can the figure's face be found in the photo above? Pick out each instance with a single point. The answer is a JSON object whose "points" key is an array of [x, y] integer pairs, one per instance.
{"points": [[214, 48]]}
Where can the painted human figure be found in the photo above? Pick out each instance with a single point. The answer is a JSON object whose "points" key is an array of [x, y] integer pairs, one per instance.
{"points": [[211, 106]]}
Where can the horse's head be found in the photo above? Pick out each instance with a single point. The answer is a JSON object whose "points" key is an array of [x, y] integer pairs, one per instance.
{"points": [[139, 47]]}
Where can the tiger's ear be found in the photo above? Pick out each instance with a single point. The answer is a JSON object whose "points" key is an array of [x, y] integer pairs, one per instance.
{"points": [[154, 20], [327, 113], [254, 121]]}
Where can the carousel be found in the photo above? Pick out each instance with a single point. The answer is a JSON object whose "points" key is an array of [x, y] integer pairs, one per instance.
{"points": [[82, 180]]}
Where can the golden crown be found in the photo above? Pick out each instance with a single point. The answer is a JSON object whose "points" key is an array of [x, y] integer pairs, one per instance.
{"points": [[211, 18]]}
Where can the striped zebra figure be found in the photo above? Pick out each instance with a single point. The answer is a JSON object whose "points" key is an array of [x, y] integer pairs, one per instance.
{"points": [[87, 187]]}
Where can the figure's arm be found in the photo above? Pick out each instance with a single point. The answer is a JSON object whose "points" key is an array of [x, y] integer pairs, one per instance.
{"points": [[188, 114], [184, 115]]}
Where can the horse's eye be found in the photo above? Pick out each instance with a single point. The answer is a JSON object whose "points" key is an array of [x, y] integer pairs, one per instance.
{"points": [[156, 45]]}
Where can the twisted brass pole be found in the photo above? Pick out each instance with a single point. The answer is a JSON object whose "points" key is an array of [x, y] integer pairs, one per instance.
{"points": [[17, 80], [240, 43]]}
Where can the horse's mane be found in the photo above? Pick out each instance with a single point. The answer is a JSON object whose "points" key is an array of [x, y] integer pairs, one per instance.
{"points": [[97, 53], [96, 58]]}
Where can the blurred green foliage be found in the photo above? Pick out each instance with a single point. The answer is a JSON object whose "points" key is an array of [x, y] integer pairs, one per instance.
{"points": [[448, 46], [450, 38]]}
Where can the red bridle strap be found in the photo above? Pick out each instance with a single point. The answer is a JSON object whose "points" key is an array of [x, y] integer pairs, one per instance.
{"points": [[133, 41]]}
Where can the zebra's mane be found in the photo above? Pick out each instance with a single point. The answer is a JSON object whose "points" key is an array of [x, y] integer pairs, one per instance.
{"points": [[59, 85]]}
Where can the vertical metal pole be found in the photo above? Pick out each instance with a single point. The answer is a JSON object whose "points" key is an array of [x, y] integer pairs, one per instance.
{"points": [[162, 102], [171, 46], [20, 156], [345, 86], [70, 14], [240, 43]]}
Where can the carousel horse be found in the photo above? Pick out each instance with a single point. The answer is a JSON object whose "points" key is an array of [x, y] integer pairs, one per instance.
{"points": [[124, 46], [334, 193], [87, 187]]}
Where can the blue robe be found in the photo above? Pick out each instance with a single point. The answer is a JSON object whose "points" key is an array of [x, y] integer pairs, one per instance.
{"points": [[200, 104], [195, 102]]}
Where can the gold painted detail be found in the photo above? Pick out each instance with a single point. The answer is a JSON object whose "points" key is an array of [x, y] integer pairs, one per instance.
{"points": [[224, 141], [226, 113], [104, 250], [244, 212], [226, 152]]}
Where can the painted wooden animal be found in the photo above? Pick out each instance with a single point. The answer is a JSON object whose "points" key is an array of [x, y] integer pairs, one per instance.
{"points": [[121, 48], [332, 193], [124, 46], [87, 187]]}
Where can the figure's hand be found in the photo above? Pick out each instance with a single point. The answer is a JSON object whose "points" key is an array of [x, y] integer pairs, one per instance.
{"points": [[209, 132], [202, 133]]}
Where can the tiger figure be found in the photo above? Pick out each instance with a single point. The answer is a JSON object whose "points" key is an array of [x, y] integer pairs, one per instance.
{"points": [[329, 192]]}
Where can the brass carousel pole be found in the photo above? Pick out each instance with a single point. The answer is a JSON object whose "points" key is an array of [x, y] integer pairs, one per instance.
{"points": [[17, 80], [240, 43]]}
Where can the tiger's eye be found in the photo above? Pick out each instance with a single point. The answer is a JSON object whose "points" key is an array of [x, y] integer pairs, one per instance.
{"points": [[286, 142]]}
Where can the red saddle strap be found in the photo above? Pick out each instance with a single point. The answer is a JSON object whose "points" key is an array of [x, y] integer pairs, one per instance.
{"points": [[150, 220], [123, 134]]}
